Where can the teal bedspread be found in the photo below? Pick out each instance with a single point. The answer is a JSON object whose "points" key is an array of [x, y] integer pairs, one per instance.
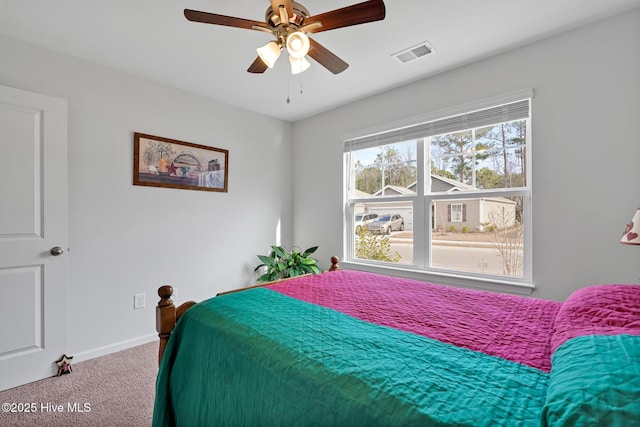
{"points": [[595, 382], [262, 357], [306, 365]]}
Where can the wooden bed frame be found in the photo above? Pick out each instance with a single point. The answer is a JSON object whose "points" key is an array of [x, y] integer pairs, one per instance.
{"points": [[167, 314]]}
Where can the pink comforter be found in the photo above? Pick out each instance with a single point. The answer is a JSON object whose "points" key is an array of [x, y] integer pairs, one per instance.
{"points": [[511, 327], [598, 310]]}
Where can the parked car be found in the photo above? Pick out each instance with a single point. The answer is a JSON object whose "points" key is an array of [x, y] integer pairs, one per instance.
{"points": [[386, 223], [364, 219]]}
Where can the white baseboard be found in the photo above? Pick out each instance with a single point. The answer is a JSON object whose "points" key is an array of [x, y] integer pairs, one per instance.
{"points": [[112, 348]]}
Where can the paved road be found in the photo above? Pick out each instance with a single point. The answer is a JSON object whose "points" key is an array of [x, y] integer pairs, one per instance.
{"points": [[474, 257]]}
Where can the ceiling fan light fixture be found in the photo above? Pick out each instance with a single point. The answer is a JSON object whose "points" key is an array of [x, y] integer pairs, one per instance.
{"points": [[298, 44], [269, 53], [289, 22], [298, 65]]}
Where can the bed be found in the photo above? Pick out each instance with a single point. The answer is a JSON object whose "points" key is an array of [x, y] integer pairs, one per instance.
{"points": [[349, 348]]}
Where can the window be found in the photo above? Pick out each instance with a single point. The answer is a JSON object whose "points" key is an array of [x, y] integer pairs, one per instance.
{"points": [[446, 196], [454, 211]]}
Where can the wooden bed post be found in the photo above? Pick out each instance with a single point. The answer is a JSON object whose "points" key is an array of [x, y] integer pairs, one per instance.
{"points": [[165, 318], [334, 263], [167, 315]]}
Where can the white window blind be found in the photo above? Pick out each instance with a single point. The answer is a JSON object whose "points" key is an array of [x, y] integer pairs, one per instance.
{"points": [[484, 117]]}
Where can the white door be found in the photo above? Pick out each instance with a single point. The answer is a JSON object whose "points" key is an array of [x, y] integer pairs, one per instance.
{"points": [[33, 220]]}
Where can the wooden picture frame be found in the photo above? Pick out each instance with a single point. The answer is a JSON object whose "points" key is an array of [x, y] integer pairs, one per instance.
{"points": [[164, 162]]}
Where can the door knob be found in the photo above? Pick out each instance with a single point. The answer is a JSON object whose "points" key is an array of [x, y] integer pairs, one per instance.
{"points": [[56, 251]]}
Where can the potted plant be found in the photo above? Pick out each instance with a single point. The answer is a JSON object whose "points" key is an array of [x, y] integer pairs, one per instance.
{"points": [[282, 264]]}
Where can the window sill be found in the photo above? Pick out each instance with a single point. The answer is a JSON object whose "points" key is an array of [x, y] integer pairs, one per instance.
{"points": [[443, 278]]}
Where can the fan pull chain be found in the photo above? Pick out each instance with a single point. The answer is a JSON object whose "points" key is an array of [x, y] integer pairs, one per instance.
{"points": [[289, 89], [288, 98]]}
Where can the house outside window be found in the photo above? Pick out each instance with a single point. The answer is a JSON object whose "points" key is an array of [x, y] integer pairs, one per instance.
{"points": [[461, 186]]}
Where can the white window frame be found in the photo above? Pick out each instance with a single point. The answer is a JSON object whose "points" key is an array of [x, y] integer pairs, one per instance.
{"points": [[422, 202]]}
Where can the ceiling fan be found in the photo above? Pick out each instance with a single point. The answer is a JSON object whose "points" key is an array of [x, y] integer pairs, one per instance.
{"points": [[289, 22]]}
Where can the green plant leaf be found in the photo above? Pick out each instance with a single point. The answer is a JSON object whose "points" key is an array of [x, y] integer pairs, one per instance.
{"points": [[309, 251], [279, 250], [266, 260], [266, 277]]}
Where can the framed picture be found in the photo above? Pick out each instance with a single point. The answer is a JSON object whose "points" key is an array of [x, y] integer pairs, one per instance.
{"points": [[164, 162]]}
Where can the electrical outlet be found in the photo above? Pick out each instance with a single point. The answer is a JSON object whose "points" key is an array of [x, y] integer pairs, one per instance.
{"points": [[138, 301]]}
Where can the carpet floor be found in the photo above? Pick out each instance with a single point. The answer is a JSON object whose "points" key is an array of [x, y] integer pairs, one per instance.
{"points": [[116, 390]]}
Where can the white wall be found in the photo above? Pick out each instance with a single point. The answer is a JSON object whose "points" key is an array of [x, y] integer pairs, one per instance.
{"points": [[127, 239], [586, 147]]}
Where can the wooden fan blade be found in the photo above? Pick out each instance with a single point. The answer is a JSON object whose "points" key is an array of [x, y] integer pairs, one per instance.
{"points": [[228, 21], [326, 58], [361, 13], [258, 66]]}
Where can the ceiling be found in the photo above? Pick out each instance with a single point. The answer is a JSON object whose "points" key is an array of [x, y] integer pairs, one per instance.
{"points": [[152, 39]]}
